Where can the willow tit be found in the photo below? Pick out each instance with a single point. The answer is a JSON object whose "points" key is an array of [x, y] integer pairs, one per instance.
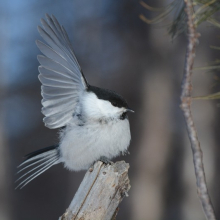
{"points": [[93, 122]]}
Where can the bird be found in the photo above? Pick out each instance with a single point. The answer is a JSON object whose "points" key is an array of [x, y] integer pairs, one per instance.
{"points": [[93, 122]]}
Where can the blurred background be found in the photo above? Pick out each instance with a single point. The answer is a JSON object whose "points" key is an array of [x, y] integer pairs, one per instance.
{"points": [[120, 52]]}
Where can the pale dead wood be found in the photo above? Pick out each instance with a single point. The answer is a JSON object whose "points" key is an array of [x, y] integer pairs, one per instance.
{"points": [[100, 192], [186, 98]]}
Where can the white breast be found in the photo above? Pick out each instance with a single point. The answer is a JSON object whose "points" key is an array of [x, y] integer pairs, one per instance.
{"points": [[80, 146]]}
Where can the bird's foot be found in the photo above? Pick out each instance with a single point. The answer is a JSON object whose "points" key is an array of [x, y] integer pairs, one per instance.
{"points": [[105, 160]]}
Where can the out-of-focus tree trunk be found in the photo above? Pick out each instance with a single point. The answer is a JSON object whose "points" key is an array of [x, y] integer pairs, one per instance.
{"points": [[5, 181], [4, 175], [154, 143]]}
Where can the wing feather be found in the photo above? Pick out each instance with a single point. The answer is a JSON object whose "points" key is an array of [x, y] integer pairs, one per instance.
{"points": [[50, 42], [55, 66], [63, 116], [52, 73], [60, 74], [55, 100], [52, 91], [61, 48], [56, 108], [54, 83], [55, 77], [52, 54]]}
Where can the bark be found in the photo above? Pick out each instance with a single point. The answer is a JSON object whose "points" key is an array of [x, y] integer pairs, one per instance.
{"points": [[100, 192]]}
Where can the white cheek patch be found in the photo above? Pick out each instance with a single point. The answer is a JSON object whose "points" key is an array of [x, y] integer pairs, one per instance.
{"points": [[98, 108], [106, 107]]}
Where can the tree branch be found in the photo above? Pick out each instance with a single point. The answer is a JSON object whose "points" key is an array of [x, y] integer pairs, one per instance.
{"points": [[99, 194], [186, 98]]}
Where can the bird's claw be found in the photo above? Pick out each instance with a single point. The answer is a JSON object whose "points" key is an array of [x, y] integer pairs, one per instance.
{"points": [[105, 160]]}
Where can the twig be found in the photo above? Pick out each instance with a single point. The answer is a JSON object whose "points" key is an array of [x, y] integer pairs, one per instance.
{"points": [[186, 98], [100, 193]]}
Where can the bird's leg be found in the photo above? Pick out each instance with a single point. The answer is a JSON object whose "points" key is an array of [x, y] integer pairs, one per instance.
{"points": [[105, 160]]}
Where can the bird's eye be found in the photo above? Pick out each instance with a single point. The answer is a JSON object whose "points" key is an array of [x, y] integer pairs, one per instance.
{"points": [[114, 103]]}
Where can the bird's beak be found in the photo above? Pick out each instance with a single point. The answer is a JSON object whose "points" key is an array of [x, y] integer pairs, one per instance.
{"points": [[129, 110]]}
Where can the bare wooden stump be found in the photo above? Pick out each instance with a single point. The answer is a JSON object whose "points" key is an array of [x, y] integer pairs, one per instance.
{"points": [[99, 194]]}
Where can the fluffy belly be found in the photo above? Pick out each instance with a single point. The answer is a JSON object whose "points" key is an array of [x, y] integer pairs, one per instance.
{"points": [[80, 146]]}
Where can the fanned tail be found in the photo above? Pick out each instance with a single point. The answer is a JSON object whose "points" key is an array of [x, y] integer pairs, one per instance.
{"points": [[39, 161]]}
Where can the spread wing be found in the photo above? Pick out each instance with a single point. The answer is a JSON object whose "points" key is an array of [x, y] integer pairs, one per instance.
{"points": [[60, 74]]}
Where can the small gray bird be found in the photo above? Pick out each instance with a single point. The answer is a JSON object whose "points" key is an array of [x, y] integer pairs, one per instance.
{"points": [[93, 122]]}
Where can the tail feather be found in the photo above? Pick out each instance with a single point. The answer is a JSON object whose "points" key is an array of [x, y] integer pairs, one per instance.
{"points": [[34, 175], [41, 151], [42, 164], [33, 163], [47, 157], [43, 155]]}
